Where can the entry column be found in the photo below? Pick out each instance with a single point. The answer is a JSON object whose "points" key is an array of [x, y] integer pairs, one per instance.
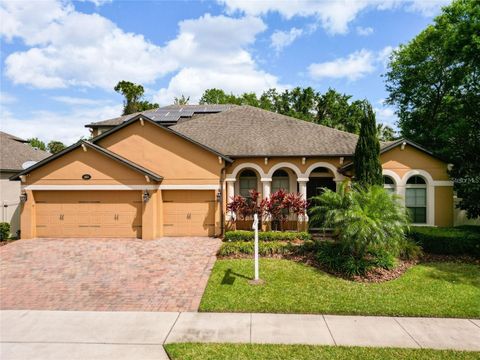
{"points": [[230, 195], [302, 187]]}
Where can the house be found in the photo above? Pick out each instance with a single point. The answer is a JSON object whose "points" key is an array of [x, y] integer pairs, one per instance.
{"points": [[15, 154], [170, 172]]}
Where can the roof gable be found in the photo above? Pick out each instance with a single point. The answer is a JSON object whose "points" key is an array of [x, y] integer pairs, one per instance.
{"points": [[97, 149], [169, 130]]}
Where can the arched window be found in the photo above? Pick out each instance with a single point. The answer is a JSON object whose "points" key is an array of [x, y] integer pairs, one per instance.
{"points": [[280, 180], [416, 199], [248, 181], [389, 184]]}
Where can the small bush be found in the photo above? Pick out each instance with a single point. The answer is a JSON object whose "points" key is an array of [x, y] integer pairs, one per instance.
{"points": [[409, 250], [243, 235], [462, 240], [336, 258], [4, 230], [264, 249]]}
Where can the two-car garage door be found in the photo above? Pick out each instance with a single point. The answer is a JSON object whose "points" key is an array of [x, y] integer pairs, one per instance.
{"points": [[99, 214], [88, 213]]}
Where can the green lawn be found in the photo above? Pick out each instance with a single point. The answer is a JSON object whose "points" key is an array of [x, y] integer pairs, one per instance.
{"points": [[431, 289], [299, 352]]}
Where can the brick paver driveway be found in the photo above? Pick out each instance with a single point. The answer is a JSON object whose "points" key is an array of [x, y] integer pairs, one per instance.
{"points": [[168, 274]]}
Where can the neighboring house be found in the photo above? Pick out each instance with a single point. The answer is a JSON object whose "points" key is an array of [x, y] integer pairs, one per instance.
{"points": [[140, 178], [14, 152]]}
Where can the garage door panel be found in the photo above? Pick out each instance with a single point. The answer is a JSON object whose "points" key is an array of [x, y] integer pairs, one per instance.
{"points": [[188, 213], [88, 213]]}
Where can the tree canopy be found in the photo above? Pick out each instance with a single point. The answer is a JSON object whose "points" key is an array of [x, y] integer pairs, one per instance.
{"points": [[55, 146], [37, 143], [366, 160], [133, 94], [331, 109], [434, 82]]}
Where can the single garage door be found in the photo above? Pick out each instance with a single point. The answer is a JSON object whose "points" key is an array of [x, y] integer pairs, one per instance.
{"points": [[188, 213], [88, 213]]}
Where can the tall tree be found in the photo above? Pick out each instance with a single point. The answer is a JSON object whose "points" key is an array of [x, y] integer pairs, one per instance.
{"points": [[366, 160], [182, 100], [385, 133], [217, 96], [335, 110], [434, 81], [37, 143], [55, 146], [133, 94]]}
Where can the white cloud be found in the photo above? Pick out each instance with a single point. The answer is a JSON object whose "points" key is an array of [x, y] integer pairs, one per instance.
{"points": [[64, 54], [352, 67], [67, 126], [213, 51], [281, 39], [364, 31], [333, 15], [386, 115]]}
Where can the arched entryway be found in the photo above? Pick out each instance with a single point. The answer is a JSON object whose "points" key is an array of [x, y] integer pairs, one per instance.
{"points": [[319, 179]]}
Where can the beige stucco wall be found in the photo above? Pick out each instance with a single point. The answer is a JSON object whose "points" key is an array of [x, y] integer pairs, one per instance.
{"points": [[176, 159], [69, 168], [401, 161], [9, 201]]}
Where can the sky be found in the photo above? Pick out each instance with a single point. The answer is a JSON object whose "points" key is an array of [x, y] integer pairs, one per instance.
{"points": [[60, 59]]}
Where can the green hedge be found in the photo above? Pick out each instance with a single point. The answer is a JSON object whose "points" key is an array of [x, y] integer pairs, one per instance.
{"points": [[243, 235], [461, 240], [4, 230], [246, 247]]}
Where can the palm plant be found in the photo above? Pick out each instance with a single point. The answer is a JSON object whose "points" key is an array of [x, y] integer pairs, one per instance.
{"points": [[364, 219]]}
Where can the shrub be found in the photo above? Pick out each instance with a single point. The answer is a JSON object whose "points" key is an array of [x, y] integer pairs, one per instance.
{"points": [[247, 248], [280, 204], [337, 259], [462, 240], [4, 230], [363, 218], [243, 235], [409, 250]]}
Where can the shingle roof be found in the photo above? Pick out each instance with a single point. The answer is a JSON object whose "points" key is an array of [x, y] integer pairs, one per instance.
{"points": [[14, 152], [249, 131], [167, 114]]}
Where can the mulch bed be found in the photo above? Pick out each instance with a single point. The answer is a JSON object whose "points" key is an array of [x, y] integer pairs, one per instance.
{"points": [[377, 275]]}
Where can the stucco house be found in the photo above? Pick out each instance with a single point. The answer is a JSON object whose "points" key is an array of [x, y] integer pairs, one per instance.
{"points": [[171, 171], [15, 153]]}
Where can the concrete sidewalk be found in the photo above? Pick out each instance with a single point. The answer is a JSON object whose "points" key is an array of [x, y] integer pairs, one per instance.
{"points": [[140, 335]]}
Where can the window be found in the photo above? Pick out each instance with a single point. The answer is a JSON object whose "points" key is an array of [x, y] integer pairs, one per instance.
{"points": [[248, 181], [389, 184], [416, 199], [280, 180]]}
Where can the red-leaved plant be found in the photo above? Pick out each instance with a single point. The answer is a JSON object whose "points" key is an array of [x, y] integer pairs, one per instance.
{"points": [[281, 204], [243, 207]]}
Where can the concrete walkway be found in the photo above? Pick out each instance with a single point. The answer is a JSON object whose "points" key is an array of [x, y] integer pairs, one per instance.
{"points": [[45, 335]]}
